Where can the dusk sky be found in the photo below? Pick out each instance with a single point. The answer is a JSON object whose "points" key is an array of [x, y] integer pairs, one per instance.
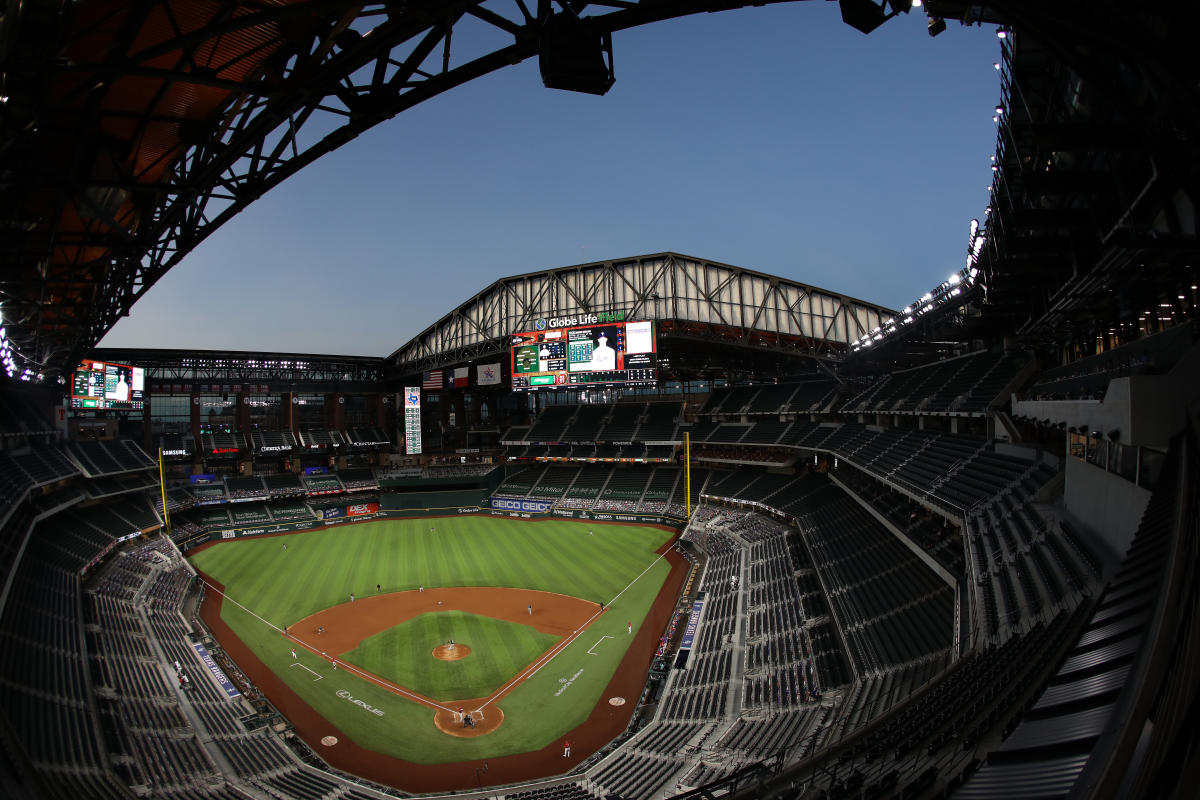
{"points": [[776, 139]]}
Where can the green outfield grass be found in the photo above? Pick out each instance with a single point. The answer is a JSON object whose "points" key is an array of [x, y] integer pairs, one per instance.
{"points": [[499, 650], [271, 587]]}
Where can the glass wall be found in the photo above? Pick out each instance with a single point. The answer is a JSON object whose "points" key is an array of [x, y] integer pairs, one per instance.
{"points": [[266, 411], [218, 413], [310, 411], [170, 414]]}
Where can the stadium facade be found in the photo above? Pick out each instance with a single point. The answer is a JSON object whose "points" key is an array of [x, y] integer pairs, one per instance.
{"points": [[945, 550]]}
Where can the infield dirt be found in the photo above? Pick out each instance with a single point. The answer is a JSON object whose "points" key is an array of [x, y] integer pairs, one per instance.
{"points": [[333, 632], [348, 624]]}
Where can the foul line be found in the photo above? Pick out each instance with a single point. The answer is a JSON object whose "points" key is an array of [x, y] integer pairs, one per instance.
{"points": [[375, 679], [551, 654]]}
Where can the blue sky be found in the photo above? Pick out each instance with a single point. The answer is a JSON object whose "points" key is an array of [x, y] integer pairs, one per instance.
{"points": [[777, 139]]}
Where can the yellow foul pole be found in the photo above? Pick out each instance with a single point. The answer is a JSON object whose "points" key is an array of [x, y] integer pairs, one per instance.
{"points": [[687, 470], [162, 485]]}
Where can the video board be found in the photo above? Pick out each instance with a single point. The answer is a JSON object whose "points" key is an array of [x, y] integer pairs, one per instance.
{"points": [[580, 356], [100, 385]]}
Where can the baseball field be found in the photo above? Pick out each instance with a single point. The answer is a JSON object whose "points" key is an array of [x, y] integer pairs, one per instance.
{"points": [[383, 636]]}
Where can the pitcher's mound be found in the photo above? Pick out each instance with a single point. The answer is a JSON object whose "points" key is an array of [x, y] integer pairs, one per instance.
{"points": [[446, 652], [451, 724]]}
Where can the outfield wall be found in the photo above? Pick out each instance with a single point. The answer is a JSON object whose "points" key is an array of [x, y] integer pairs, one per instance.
{"points": [[589, 514], [415, 513], [419, 501]]}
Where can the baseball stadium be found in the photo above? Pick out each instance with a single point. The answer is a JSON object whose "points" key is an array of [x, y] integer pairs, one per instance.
{"points": [[644, 527]]}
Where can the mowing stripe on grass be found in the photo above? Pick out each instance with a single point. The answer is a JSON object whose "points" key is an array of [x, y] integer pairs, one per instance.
{"points": [[286, 586], [529, 672], [558, 648]]}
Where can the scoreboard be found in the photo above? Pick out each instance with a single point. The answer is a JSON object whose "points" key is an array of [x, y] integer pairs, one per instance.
{"points": [[607, 354], [412, 420], [100, 385]]}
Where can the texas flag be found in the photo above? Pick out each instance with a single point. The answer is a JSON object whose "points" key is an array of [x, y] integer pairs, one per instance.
{"points": [[487, 374], [460, 377]]}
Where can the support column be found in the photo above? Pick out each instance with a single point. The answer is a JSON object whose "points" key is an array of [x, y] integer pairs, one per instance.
{"points": [[288, 399], [194, 405], [148, 443]]}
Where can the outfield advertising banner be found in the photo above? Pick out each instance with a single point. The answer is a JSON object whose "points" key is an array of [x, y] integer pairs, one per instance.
{"points": [[361, 509], [565, 513], [332, 513], [521, 504], [285, 527]]}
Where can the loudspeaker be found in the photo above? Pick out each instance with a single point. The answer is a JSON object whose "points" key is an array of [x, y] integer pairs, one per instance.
{"points": [[862, 15], [574, 56]]}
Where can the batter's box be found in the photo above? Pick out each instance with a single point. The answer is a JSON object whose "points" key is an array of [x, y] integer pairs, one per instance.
{"points": [[591, 650]]}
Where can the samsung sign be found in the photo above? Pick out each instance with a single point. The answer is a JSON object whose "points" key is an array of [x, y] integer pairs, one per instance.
{"points": [[581, 319]]}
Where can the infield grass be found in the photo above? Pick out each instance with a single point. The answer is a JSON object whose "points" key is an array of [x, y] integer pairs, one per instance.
{"points": [[268, 587], [403, 654]]}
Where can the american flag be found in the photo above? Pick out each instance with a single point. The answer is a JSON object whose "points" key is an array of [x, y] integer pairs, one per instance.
{"points": [[432, 379]]}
